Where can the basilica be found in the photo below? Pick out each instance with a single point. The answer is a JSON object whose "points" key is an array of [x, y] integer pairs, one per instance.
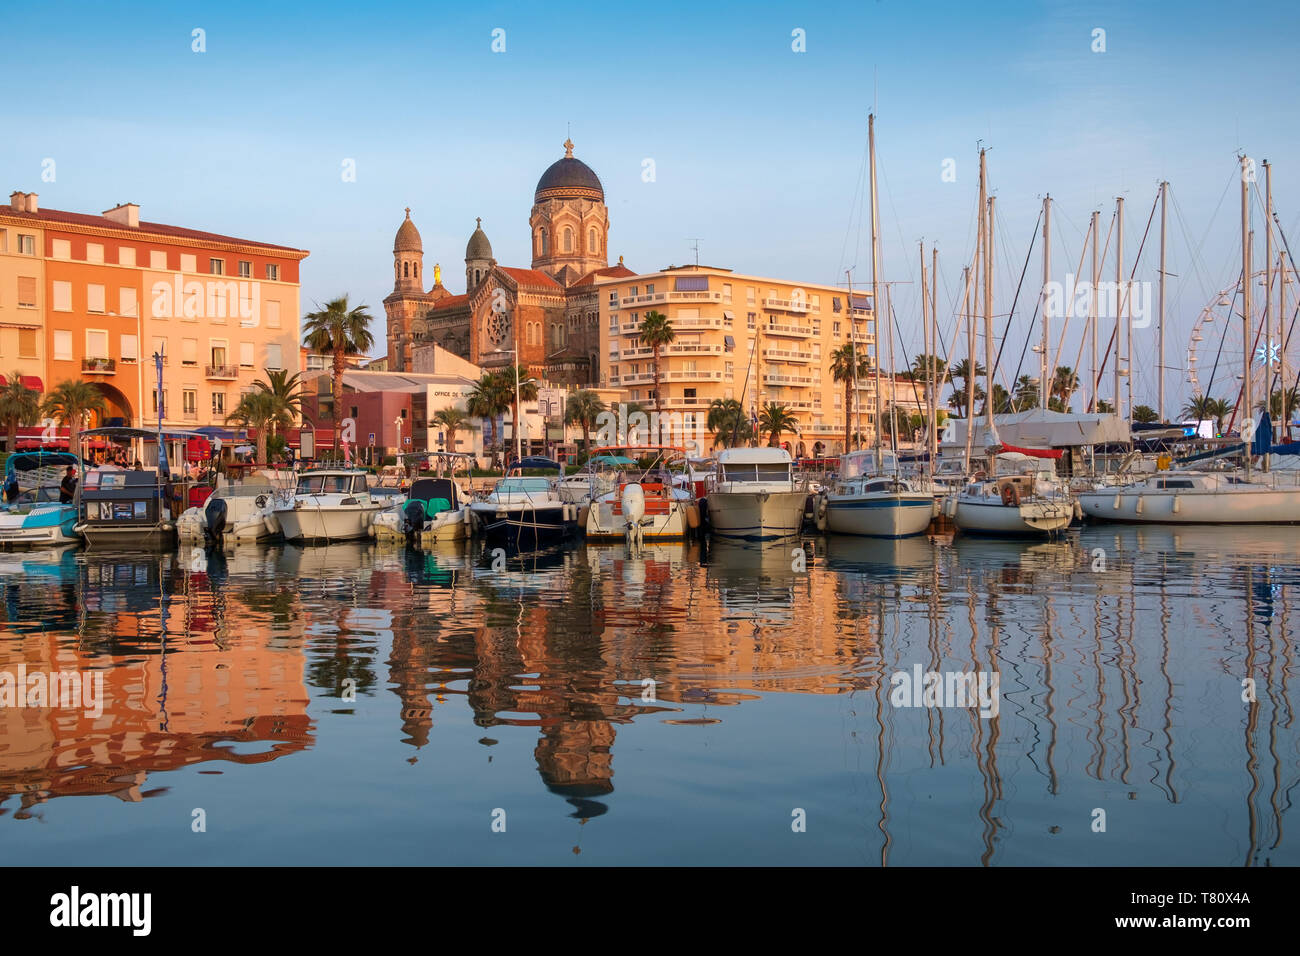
{"points": [[547, 314]]}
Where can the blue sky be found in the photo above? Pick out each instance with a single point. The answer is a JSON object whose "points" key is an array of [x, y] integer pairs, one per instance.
{"points": [[758, 150]]}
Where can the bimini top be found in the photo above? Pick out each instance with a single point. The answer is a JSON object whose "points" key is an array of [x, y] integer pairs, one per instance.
{"points": [[141, 433], [538, 462], [33, 460], [753, 456]]}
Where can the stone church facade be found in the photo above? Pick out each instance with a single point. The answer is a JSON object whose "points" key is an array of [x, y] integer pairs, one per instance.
{"points": [[548, 314]]}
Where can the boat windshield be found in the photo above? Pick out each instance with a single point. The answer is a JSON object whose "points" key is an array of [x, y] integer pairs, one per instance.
{"points": [[531, 486], [774, 471], [859, 464], [324, 485]]}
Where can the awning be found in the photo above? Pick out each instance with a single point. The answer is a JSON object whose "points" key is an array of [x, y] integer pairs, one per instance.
{"points": [[33, 382], [225, 434]]}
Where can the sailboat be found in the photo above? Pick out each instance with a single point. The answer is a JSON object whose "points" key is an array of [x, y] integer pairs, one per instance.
{"points": [[869, 496], [1204, 497], [1016, 504]]}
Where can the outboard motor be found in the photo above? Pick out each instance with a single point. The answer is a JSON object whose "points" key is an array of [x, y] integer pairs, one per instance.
{"points": [[413, 518], [214, 524], [633, 501]]}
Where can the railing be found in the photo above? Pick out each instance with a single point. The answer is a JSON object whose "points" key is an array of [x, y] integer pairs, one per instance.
{"points": [[788, 329], [705, 375], [788, 355], [646, 352], [778, 379], [99, 366], [697, 322], [190, 416], [221, 371], [786, 305]]}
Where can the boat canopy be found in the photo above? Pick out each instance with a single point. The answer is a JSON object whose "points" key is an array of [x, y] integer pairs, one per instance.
{"points": [[855, 464], [754, 456], [122, 433], [1044, 429], [34, 460]]}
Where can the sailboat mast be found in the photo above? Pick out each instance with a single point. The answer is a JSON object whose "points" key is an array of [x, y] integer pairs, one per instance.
{"points": [[925, 338], [988, 325], [1043, 381], [1119, 294], [1246, 322], [1092, 314], [1268, 289], [932, 372], [1160, 364], [851, 414], [970, 349], [875, 275]]}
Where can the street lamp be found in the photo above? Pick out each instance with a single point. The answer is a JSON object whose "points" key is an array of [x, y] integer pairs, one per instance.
{"points": [[398, 422]]}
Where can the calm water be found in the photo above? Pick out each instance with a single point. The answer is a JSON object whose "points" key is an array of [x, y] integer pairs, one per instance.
{"points": [[521, 696]]}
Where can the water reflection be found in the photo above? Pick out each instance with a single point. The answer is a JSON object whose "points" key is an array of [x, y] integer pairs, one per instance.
{"points": [[1120, 653]]}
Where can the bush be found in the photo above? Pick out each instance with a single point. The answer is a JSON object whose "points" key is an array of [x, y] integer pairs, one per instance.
{"points": [[389, 460]]}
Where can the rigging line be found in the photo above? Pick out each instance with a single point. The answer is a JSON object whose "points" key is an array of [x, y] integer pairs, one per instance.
{"points": [[854, 209], [1105, 250], [1197, 263], [1120, 303], [1223, 336], [1065, 326], [1023, 271]]}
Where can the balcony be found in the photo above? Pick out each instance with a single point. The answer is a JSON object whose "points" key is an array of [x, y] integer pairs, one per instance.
{"points": [[190, 416], [697, 322], [787, 355], [799, 305], [799, 331], [98, 366], [645, 351], [776, 378], [226, 373]]}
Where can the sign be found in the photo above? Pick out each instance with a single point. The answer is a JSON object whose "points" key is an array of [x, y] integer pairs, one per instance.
{"points": [[406, 440], [372, 439]]}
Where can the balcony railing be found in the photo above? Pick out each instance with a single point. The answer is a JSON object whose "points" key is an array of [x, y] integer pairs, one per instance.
{"points": [[776, 378], [799, 330], [190, 416], [645, 351], [787, 355], [227, 372], [99, 366], [786, 305]]}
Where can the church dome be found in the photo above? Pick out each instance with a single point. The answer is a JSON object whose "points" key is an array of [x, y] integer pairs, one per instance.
{"points": [[479, 247], [569, 178], [408, 237]]}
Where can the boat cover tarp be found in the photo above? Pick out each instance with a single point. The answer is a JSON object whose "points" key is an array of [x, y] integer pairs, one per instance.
{"points": [[1045, 429]]}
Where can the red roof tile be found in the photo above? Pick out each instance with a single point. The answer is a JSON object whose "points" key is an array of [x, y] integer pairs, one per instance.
{"points": [[152, 228], [618, 272], [532, 277], [450, 302]]}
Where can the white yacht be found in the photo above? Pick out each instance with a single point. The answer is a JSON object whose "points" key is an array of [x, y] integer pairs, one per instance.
{"points": [[328, 505], [1198, 497], [754, 494], [1025, 499], [869, 498], [647, 503]]}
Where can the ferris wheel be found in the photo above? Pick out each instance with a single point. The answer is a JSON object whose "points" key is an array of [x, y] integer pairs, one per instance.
{"points": [[1215, 353]]}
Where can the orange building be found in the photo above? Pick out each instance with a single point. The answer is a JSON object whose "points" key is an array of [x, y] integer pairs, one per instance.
{"points": [[113, 290]]}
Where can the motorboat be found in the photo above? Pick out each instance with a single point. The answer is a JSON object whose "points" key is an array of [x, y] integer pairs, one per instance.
{"points": [[236, 513], [328, 505], [870, 498], [435, 510], [1026, 501], [647, 503], [36, 516], [1197, 497], [754, 494], [130, 510], [525, 512]]}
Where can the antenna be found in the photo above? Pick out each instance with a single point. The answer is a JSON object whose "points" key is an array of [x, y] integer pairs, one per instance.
{"points": [[695, 246]]}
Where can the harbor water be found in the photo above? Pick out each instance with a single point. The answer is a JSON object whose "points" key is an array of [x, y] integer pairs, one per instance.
{"points": [[1132, 702]]}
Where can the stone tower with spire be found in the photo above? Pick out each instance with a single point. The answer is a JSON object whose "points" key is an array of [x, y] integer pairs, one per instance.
{"points": [[408, 257], [569, 220], [478, 257]]}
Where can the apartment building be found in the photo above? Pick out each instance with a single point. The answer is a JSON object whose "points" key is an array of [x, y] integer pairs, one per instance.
{"points": [[749, 338], [96, 296]]}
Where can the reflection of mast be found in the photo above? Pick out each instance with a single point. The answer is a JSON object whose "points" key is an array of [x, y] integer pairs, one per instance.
{"points": [[1169, 694], [1252, 711], [883, 823]]}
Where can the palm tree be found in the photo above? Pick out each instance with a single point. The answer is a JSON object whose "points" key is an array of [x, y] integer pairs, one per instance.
{"points": [[957, 400], [1278, 405], [656, 331], [339, 331], [19, 405], [1064, 382], [527, 391], [962, 371], [848, 363], [489, 398], [286, 396], [256, 410], [728, 422], [1026, 394], [451, 420], [1001, 400], [1145, 415], [1219, 409], [923, 364], [583, 408], [774, 419], [1105, 408], [70, 402]]}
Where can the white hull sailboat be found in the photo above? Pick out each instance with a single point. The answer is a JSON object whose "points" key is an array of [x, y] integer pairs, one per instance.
{"points": [[1174, 497], [875, 506]]}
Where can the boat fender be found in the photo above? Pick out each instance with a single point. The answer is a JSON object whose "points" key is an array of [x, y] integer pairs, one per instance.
{"points": [[1078, 510], [1138, 509], [1178, 504], [1115, 504], [260, 501], [1011, 495]]}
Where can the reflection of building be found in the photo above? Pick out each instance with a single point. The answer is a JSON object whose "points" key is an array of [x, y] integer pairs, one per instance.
{"points": [[98, 295], [546, 313], [166, 704]]}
